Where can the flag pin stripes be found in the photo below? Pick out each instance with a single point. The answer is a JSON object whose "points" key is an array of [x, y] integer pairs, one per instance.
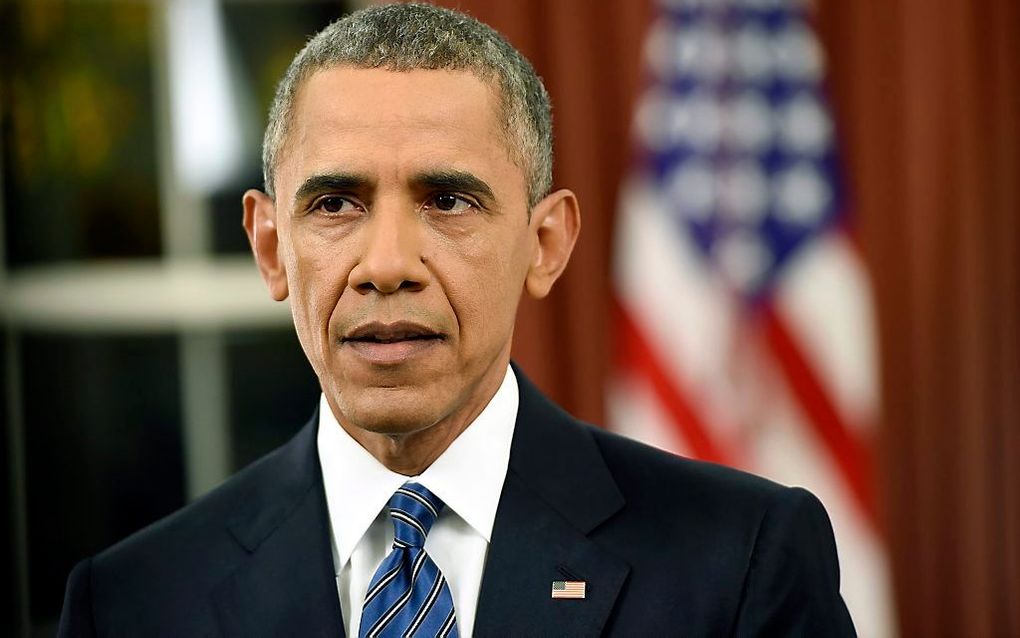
{"points": [[568, 589]]}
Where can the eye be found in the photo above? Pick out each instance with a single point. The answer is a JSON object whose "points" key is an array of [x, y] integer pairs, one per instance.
{"points": [[334, 205], [449, 203]]}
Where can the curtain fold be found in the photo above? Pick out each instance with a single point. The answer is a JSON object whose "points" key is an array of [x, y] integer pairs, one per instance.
{"points": [[930, 107]]}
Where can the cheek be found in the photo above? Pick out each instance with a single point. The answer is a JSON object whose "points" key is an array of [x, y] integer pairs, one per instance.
{"points": [[488, 285], [316, 280]]}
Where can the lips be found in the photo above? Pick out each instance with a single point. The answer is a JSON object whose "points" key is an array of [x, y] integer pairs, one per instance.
{"points": [[377, 332], [391, 343]]}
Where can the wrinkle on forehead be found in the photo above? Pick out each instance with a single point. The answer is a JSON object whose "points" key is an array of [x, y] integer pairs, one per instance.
{"points": [[298, 135]]}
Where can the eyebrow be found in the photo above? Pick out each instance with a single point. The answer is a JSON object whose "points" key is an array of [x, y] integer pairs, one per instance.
{"points": [[450, 180], [330, 182]]}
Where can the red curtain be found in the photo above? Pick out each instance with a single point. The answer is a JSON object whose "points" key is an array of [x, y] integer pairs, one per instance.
{"points": [[929, 99], [928, 105]]}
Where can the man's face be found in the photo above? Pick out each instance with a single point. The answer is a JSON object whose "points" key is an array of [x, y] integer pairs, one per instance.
{"points": [[403, 240]]}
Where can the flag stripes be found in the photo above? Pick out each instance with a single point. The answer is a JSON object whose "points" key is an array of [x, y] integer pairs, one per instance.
{"points": [[636, 356], [847, 450]]}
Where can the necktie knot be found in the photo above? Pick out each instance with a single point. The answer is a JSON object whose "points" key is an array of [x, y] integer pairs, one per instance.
{"points": [[413, 509], [408, 595]]}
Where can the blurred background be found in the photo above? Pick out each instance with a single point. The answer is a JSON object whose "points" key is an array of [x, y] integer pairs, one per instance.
{"points": [[799, 256]]}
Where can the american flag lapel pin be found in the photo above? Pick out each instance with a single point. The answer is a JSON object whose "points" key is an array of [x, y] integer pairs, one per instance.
{"points": [[569, 589]]}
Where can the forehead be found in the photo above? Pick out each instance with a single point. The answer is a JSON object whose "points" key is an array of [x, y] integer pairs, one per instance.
{"points": [[376, 119]]}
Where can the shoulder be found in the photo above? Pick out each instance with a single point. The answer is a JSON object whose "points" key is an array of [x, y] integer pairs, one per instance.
{"points": [[744, 552], [171, 566], [704, 510], [643, 472], [201, 523], [656, 486]]}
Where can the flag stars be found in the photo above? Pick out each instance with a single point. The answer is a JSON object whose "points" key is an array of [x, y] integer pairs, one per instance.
{"points": [[752, 54], [805, 128], [749, 125], [659, 47], [744, 259], [652, 117], [798, 54], [802, 195], [703, 52], [738, 133], [698, 121], [744, 192], [693, 185]]}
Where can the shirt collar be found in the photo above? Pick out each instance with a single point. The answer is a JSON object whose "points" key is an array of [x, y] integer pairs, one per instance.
{"points": [[468, 476]]}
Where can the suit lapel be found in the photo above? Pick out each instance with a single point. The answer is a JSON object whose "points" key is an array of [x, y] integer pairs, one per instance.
{"points": [[557, 490], [287, 585]]}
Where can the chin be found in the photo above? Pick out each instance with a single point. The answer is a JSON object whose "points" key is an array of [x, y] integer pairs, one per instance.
{"points": [[390, 415]]}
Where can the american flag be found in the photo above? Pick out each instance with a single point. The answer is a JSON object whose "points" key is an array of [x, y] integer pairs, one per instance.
{"points": [[568, 589], [744, 313]]}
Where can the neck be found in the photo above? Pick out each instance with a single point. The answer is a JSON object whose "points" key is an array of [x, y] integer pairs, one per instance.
{"points": [[409, 454]]}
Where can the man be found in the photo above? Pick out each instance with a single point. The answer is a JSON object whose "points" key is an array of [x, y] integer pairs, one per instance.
{"points": [[437, 492]]}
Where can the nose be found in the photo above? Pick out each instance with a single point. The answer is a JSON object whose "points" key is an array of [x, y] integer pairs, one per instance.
{"points": [[391, 257]]}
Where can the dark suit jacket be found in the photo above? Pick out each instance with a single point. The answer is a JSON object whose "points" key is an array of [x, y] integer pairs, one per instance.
{"points": [[667, 546]]}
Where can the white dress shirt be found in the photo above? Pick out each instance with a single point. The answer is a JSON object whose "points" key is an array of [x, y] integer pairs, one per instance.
{"points": [[468, 477]]}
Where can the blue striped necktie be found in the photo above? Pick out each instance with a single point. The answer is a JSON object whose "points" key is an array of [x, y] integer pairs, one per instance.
{"points": [[408, 595]]}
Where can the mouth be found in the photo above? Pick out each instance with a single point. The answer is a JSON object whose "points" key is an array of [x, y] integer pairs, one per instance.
{"points": [[391, 343], [377, 332]]}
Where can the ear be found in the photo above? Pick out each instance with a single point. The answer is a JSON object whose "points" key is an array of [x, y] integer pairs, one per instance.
{"points": [[260, 224], [556, 220]]}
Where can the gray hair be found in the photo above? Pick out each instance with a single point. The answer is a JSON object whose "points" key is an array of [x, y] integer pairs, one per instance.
{"points": [[403, 37]]}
